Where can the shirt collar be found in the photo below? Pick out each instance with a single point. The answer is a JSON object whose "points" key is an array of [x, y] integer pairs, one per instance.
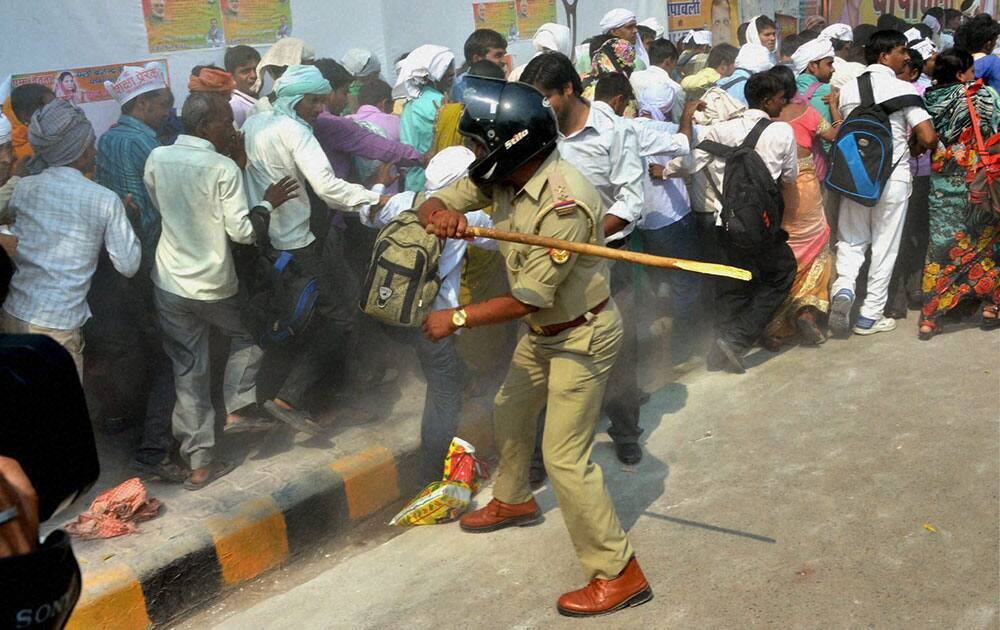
{"points": [[755, 114], [534, 186], [194, 142], [368, 110], [877, 68], [134, 123], [591, 121]]}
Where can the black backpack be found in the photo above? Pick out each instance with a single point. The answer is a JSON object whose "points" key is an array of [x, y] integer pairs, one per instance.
{"points": [[862, 155], [282, 307], [752, 205]]}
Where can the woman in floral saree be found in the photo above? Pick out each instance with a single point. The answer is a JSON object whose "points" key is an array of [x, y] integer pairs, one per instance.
{"points": [[964, 238]]}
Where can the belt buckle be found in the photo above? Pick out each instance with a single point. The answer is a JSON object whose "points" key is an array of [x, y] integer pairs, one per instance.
{"points": [[535, 328]]}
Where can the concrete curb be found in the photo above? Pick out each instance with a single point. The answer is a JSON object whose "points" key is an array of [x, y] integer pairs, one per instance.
{"points": [[259, 534]]}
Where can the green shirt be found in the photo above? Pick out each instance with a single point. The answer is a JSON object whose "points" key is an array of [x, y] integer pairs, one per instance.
{"points": [[804, 81]]}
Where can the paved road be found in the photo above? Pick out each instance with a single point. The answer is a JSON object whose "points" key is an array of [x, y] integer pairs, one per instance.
{"points": [[850, 486]]}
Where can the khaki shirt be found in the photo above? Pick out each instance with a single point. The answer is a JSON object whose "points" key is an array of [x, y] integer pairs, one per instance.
{"points": [[557, 202]]}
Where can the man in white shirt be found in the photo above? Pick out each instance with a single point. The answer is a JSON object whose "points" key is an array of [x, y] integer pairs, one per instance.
{"points": [[743, 309], [62, 221], [879, 227], [605, 149], [662, 61], [280, 143], [199, 194], [241, 62]]}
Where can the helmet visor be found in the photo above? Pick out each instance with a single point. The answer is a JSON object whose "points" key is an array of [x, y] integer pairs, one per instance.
{"points": [[482, 102]]}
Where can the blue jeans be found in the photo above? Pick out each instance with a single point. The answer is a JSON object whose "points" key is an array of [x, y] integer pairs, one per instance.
{"points": [[445, 374], [677, 240]]}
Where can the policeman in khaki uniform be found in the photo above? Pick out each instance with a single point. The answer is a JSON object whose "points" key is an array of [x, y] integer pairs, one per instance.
{"points": [[575, 332]]}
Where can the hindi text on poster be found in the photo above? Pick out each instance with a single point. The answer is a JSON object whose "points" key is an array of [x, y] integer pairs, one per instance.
{"points": [[81, 85]]}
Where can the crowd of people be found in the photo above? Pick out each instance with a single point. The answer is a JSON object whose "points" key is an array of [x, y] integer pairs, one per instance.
{"points": [[146, 243]]}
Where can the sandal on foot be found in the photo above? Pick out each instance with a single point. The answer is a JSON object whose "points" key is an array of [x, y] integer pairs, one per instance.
{"points": [[245, 424], [217, 470], [989, 323], [927, 335]]}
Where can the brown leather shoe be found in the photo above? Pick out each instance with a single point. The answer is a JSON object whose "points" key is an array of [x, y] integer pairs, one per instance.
{"points": [[601, 597], [497, 515]]}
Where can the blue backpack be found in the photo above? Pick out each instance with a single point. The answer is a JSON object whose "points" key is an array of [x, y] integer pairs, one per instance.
{"points": [[862, 155], [284, 304]]}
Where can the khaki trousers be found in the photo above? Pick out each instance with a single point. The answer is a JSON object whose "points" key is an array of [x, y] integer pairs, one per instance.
{"points": [[71, 340], [568, 373]]}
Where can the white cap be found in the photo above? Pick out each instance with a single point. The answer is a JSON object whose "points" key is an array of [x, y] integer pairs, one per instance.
{"points": [[839, 31], [134, 81]]}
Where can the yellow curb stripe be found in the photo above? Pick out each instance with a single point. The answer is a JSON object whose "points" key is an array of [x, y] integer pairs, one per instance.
{"points": [[370, 480], [251, 541], [112, 599]]}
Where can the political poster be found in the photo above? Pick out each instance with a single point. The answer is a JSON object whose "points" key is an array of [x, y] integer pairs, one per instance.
{"points": [[531, 14], [856, 12], [256, 21], [182, 24], [498, 16], [718, 16], [81, 85]]}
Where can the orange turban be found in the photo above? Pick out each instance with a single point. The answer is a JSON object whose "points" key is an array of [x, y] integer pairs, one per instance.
{"points": [[211, 80]]}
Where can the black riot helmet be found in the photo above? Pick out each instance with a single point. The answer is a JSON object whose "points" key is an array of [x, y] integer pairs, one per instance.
{"points": [[513, 122]]}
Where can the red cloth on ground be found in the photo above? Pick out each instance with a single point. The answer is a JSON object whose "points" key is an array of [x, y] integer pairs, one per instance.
{"points": [[115, 512]]}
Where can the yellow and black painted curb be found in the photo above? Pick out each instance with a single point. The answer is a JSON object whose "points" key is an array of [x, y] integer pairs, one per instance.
{"points": [[259, 534]]}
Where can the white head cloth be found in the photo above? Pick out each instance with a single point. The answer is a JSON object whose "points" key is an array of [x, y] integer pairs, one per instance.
{"points": [[425, 64], [6, 130], [926, 48], [447, 166], [616, 18], [134, 81], [813, 50], [839, 31], [361, 63], [932, 22], [753, 37], [754, 57], [554, 37], [654, 24], [656, 99], [287, 51], [699, 38]]}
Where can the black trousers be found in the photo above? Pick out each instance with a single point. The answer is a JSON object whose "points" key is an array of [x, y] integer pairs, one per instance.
{"points": [[743, 309], [621, 402], [907, 274], [322, 349]]}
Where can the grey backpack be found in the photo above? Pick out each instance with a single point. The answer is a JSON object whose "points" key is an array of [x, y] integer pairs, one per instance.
{"points": [[402, 279]]}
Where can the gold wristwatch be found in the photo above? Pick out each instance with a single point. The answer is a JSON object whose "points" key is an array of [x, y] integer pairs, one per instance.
{"points": [[460, 318]]}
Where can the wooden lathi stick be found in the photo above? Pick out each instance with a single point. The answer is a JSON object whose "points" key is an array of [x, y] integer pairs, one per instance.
{"points": [[589, 249]]}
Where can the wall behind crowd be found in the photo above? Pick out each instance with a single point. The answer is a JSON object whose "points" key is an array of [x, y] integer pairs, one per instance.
{"points": [[52, 35]]}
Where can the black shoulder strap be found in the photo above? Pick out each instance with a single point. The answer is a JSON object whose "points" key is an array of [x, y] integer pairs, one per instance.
{"points": [[902, 102], [718, 150], [754, 136], [865, 89]]}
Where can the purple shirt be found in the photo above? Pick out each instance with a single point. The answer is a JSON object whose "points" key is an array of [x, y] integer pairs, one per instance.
{"points": [[388, 123], [342, 139]]}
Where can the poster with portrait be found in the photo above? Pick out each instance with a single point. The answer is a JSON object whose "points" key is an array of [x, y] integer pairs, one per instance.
{"points": [[498, 16], [182, 24], [856, 12], [81, 85], [718, 16], [256, 21], [531, 14]]}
